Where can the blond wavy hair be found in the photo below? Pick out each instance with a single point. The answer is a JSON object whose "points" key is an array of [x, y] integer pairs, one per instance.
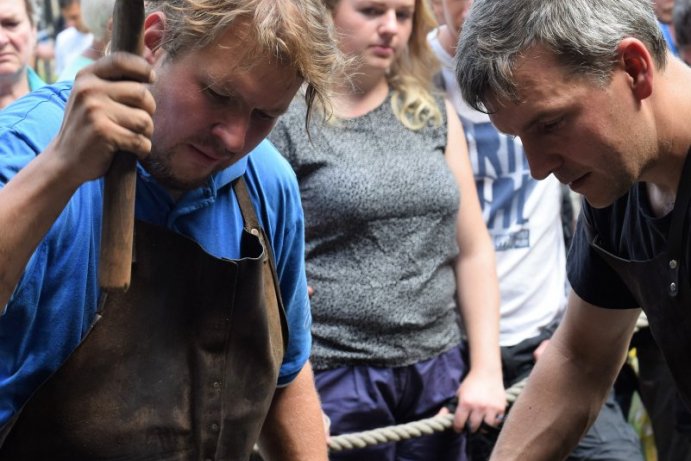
{"points": [[293, 32], [410, 77]]}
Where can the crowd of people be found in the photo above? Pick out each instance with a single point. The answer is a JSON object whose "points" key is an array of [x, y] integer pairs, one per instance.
{"points": [[349, 214]]}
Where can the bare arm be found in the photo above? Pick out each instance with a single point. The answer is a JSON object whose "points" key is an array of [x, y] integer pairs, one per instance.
{"points": [[294, 428], [481, 394], [569, 383], [101, 117]]}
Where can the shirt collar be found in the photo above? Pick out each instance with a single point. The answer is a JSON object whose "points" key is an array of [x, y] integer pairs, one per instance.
{"points": [[35, 81]]}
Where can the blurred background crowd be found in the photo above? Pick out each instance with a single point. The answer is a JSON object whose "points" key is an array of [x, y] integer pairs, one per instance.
{"points": [[69, 34]]}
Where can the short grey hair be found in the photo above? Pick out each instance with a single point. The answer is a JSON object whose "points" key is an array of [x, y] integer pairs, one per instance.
{"points": [[96, 14], [582, 34], [682, 22]]}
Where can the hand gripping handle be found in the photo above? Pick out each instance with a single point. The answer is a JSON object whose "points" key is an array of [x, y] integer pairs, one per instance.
{"points": [[115, 266]]}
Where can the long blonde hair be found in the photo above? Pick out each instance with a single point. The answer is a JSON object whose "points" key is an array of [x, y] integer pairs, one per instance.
{"points": [[410, 77]]}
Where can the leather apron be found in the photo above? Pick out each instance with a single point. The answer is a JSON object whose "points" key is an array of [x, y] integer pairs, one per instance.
{"points": [[661, 286], [183, 366]]}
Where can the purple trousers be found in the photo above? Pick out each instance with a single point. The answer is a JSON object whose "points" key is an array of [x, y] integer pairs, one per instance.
{"points": [[359, 398]]}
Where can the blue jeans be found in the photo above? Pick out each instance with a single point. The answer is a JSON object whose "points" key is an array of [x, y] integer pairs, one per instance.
{"points": [[359, 398]]}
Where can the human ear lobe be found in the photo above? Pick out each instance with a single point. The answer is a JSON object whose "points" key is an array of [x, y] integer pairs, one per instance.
{"points": [[639, 65], [154, 34]]}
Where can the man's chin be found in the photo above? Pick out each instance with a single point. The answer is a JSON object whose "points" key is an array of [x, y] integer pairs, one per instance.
{"points": [[597, 203], [10, 70], [601, 200], [178, 185], [175, 184]]}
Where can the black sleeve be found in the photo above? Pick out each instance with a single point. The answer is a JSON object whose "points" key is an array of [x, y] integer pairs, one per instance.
{"points": [[591, 277]]}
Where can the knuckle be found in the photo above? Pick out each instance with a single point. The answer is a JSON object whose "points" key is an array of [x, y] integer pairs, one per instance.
{"points": [[148, 130], [141, 96], [118, 59], [140, 126], [138, 121], [134, 143], [83, 86], [101, 127], [143, 93], [142, 144]]}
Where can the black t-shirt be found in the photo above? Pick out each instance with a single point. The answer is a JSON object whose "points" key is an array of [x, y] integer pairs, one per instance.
{"points": [[627, 229]]}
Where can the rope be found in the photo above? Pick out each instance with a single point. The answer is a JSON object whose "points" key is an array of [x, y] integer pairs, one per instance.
{"points": [[438, 423], [428, 426], [387, 434]]}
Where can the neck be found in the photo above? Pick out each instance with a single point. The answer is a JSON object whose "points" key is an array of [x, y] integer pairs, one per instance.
{"points": [[661, 201], [13, 87], [447, 39], [359, 97], [663, 173]]}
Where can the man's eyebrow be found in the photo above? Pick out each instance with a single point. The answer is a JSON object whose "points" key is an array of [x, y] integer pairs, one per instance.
{"points": [[226, 90], [537, 118]]}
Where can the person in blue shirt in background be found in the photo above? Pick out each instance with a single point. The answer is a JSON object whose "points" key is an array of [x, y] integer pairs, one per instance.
{"points": [[17, 42], [199, 358], [663, 11]]}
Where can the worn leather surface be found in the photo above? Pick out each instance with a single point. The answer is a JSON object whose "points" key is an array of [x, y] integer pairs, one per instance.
{"points": [[183, 366]]}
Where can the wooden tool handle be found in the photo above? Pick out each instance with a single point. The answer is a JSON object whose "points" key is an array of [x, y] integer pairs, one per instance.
{"points": [[115, 266]]}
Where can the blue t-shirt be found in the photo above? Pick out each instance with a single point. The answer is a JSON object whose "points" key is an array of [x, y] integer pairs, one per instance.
{"points": [[54, 303], [669, 38], [35, 81]]}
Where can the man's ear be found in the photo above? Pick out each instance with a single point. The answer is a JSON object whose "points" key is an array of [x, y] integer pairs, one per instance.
{"points": [[638, 64], [154, 34]]}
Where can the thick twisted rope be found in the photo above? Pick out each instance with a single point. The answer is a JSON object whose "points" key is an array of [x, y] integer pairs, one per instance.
{"points": [[438, 423], [388, 434], [427, 426]]}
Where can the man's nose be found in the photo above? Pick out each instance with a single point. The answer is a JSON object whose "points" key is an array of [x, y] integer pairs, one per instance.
{"points": [[541, 162], [232, 133]]}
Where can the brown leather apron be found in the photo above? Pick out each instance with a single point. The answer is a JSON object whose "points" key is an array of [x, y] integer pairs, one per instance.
{"points": [[661, 286], [181, 367]]}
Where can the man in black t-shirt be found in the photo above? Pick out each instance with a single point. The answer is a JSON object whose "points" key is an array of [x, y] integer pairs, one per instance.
{"points": [[599, 102]]}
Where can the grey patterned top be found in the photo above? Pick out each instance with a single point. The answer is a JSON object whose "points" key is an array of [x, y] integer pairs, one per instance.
{"points": [[380, 207]]}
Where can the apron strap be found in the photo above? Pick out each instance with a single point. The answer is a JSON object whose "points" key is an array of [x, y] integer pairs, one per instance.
{"points": [[676, 227], [246, 208], [681, 205], [252, 225]]}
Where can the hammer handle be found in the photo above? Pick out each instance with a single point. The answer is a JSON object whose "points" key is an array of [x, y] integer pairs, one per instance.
{"points": [[115, 266]]}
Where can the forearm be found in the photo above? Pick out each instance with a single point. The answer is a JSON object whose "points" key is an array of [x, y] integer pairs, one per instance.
{"points": [[29, 204], [481, 394], [476, 272], [568, 385], [294, 428], [551, 414], [479, 303]]}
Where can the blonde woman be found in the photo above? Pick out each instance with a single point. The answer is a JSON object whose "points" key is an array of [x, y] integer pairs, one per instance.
{"points": [[395, 241]]}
